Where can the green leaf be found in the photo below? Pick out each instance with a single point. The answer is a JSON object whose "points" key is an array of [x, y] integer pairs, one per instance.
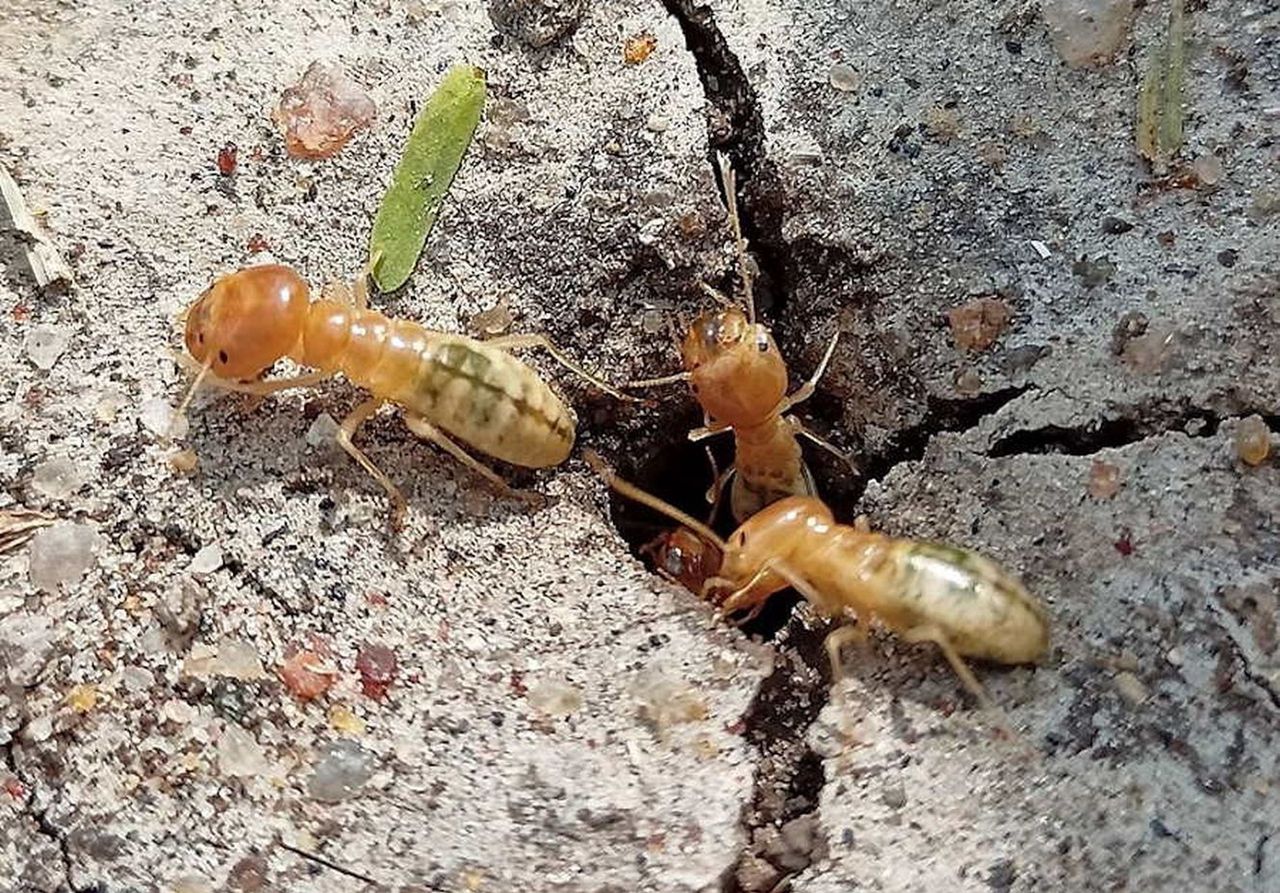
{"points": [[432, 156]]}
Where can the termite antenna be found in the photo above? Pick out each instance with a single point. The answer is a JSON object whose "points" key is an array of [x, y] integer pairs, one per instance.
{"points": [[730, 181], [187, 397], [631, 491]]}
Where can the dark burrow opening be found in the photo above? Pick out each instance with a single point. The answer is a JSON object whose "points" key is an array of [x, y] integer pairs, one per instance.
{"points": [[679, 472]]}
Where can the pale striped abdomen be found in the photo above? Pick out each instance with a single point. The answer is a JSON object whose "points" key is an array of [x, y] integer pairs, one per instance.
{"points": [[983, 610], [482, 396]]}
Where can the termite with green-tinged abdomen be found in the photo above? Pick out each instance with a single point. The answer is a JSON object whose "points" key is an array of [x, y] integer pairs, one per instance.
{"points": [[447, 384], [962, 602]]}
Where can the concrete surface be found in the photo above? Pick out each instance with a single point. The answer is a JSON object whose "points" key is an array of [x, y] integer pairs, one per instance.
{"points": [[530, 740]]}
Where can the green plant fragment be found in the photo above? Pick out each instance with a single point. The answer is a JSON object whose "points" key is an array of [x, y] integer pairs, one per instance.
{"points": [[432, 156]]}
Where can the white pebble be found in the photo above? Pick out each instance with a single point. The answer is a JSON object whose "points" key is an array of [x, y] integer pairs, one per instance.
{"points": [[324, 430], [657, 123], [239, 755], [45, 343], [555, 697], [58, 478], [159, 417], [206, 561], [1087, 32], [843, 78], [61, 555]]}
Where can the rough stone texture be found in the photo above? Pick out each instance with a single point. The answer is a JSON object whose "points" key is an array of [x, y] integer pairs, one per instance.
{"points": [[875, 211]]}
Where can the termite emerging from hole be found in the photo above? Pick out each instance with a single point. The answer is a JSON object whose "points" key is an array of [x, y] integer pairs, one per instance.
{"points": [[738, 376], [964, 603], [447, 384]]}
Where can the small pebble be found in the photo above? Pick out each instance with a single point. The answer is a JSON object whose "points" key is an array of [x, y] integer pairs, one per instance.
{"points": [[657, 123], [239, 753], [554, 697], [1174, 656], [238, 660], [638, 48], [843, 78], [307, 675], [184, 461], [322, 111], [1227, 257], [206, 561], [61, 555], [342, 719], [1115, 226], [160, 418], [1208, 169], [377, 666], [977, 324], [1130, 688], [81, 698], [1087, 32], [58, 478], [324, 430], [341, 773], [494, 321], [1093, 273], [1104, 479], [1253, 440], [894, 795], [45, 343]]}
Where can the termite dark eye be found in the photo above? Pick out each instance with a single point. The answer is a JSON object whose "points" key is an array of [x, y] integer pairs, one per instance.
{"points": [[200, 337], [222, 357], [763, 346], [693, 386]]}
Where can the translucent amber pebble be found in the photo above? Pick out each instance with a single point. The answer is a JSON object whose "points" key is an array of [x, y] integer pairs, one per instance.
{"points": [[638, 48], [321, 112], [977, 324], [1104, 480], [1253, 440]]}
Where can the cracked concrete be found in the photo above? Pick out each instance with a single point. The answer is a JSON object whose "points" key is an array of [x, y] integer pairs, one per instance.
{"points": [[968, 162]]}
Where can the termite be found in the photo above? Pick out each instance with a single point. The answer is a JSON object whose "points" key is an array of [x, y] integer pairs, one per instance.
{"points": [[474, 390], [738, 376], [962, 602], [683, 557]]}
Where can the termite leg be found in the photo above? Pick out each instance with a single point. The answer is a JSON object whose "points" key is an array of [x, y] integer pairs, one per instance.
{"points": [[346, 431], [805, 391], [360, 292], [836, 641], [706, 431], [655, 382], [800, 429], [427, 431], [939, 638], [512, 342]]}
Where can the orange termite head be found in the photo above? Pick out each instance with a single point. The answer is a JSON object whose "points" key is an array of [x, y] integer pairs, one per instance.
{"points": [[683, 557], [736, 371], [775, 533], [247, 320]]}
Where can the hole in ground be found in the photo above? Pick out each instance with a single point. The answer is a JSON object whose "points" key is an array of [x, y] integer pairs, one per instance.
{"points": [[678, 472]]}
